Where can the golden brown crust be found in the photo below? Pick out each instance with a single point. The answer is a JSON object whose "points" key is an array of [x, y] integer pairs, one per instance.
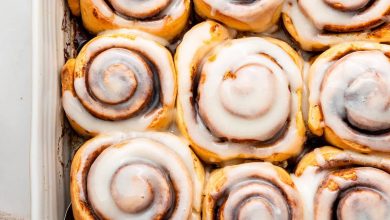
{"points": [[74, 6], [67, 75], [310, 159], [80, 207]]}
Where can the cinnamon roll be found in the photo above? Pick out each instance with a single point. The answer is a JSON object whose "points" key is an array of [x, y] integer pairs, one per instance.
{"points": [[244, 15], [349, 101], [119, 81], [251, 191], [135, 175], [239, 98], [337, 184], [164, 18], [318, 24]]}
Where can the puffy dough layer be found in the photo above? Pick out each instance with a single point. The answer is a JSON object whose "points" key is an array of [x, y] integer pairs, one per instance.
{"points": [[349, 96], [251, 191], [338, 184], [239, 98], [124, 176], [122, 80], [164, 18], [318, 24], [255, 15]]}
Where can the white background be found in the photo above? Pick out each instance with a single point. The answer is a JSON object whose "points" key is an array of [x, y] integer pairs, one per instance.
{"points": [[15, 108]]}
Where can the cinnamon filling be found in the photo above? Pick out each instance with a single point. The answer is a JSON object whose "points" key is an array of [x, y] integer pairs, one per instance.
{"points": [[361, 201], [345, 16], [149, 10], [243, 2], [254, 197], [119, 84], [363, 197], [357, 88]]}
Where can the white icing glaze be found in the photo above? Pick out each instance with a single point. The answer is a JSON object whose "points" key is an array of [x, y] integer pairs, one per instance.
{"points": [[309, 34], [305, 92], [307, 185], [371, 201], [131, 152], [264, 9], [133, 158], [118, 82], [255, 190], [135, 32], [319, 157], [76, 112], [139, 9], [347, 5], [114, 83], [374, 159], [323, 15], [358, 191], [173, 10], [354, 88], [225, 102], [232, 56]]}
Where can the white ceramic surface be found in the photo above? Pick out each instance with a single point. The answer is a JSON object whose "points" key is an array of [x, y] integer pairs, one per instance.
{"points": [[47, 161], [15, 108]]}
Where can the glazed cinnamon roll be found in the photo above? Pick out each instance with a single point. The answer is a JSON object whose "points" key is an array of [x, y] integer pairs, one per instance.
{"points": [[244, 15], [239, 98], [318, 24], [119, 81], [349, 96], [136, 176], [337, 184], [251, 191], [164, 18]]}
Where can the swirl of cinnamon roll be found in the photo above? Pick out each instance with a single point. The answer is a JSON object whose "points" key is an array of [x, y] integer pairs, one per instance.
{"points": [[164, 18], [119, 81], [125, 176], [349, 96], [244, 15], [251, 191], [337, 184], [318, 24], [239, 98]]}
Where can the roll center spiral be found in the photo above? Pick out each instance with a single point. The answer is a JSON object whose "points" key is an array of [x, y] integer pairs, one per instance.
{"points": [[256, 208], [139, 8], [255, 199], [119, 83], [347, 5], [117, 86], [363, 203], [130, 191], [367, 93], [248, 92]]}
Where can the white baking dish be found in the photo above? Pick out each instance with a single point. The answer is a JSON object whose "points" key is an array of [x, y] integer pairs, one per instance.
{"points": [[48, 154]]}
